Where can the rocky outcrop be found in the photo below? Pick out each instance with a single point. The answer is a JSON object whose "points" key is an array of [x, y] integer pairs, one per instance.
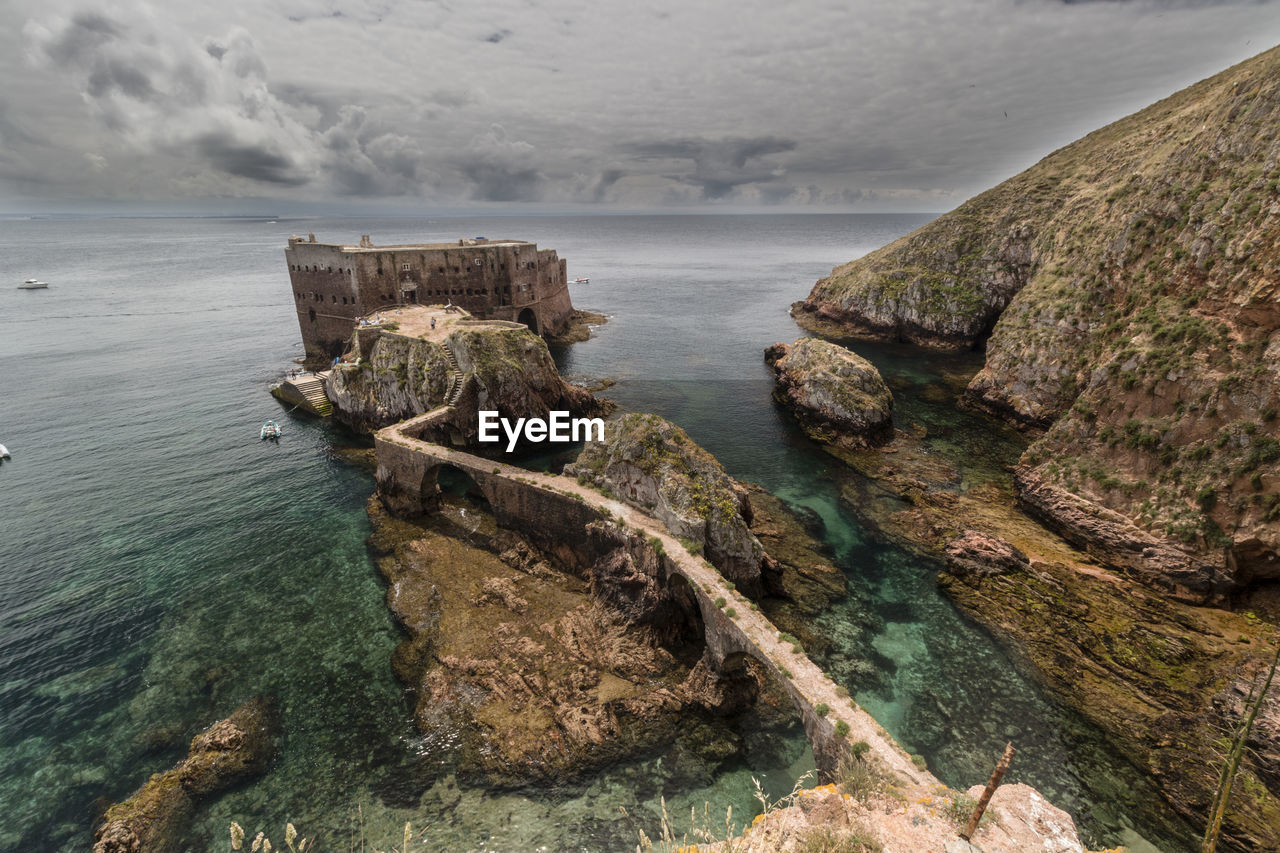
{"points": [[1125, 289], [980, 554], [908, 818], [228, 752], [1163, 679], [543, 674], [1118, 542], [653, 464], [508, 370], [838, 396]]}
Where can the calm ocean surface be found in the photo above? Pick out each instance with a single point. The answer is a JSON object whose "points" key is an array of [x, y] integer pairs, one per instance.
{"points": [[159, 564]]}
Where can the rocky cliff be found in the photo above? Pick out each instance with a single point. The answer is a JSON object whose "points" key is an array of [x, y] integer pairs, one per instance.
{"points": [[653, 464], [508, 370], [837, 395], [1125, 289]]}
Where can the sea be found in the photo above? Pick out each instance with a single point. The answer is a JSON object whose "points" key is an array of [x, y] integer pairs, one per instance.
{"points": [[159, 564]]}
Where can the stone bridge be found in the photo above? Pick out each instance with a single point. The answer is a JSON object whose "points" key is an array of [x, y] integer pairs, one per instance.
{"points": [[553, 511]]}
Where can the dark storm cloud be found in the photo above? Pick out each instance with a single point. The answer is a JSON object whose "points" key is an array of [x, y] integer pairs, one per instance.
{"points": [[907, 103], [494, 182], [85, 32], [718, 165], [113, 74], [248, 161]]}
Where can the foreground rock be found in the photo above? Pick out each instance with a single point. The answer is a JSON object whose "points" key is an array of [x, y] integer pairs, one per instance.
{"points": [[838, 396], [503, 368], [652, 464], [1162, 678], [1126, 295], [908, 818], [229, 751]]}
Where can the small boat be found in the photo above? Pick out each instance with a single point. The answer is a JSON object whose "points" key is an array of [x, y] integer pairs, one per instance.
{"points": [[4, 452], [581, 280], [33, 284], [270, 429]]}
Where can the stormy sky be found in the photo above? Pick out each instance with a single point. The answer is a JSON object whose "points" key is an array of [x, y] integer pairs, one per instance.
{"points": [[574, 104]]}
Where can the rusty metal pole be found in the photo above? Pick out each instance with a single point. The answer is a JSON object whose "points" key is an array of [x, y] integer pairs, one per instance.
{"points": [[996, 776]]}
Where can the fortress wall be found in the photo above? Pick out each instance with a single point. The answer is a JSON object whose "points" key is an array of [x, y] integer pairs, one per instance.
{"points": [[323, 281], [335, 285]]}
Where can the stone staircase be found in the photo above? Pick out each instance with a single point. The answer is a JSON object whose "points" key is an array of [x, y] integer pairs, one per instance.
{"points": [[455, 376], [312, 389]]}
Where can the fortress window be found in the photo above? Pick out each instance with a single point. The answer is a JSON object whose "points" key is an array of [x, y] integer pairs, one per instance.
{"points": [[344, 300], [312, 314], [330, 269], [404, 267], [441, 269], [335, 299]]}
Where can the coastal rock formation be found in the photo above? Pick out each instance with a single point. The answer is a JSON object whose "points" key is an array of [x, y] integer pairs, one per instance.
{"points": [[1126, 291], [1163, 678], [838, 396], [508, 370], [653, 464], [546, 674], [908, 818], [227, 752], [980, 554]]}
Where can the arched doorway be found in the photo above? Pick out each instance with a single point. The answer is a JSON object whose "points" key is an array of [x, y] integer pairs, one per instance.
{"points": [[530, 319], [451, 480]]}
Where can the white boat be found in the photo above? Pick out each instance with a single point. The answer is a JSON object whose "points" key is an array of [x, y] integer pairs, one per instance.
{"points": [[33, 284], [4, 452], [270, 429]]}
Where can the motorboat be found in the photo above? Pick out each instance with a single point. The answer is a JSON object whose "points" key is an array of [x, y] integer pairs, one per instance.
{"points": [[581, 280], [270, 429], [4, 452], [33, 284]]}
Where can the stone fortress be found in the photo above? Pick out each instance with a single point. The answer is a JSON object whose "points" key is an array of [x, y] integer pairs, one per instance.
{"points": [[335, 285]]}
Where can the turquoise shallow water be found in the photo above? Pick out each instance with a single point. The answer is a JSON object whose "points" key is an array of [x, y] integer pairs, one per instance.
{"points": [[159, 564]]}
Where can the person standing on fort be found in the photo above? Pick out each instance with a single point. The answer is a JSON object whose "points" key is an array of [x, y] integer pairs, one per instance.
{"points": [[433, 324]]}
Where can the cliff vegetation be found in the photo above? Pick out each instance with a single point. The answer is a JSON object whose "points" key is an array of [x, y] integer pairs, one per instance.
{"points": [[1125, 289]]}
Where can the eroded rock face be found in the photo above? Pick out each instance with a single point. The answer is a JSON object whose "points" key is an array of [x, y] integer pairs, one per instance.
{"points": [[506, 370], [652, 464], [1118, 542], [229, 751], [838, 396]]}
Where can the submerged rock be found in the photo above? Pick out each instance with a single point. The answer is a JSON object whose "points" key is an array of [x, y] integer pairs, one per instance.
{"points": [[228, 752], [837, 395], [652, 464]]}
